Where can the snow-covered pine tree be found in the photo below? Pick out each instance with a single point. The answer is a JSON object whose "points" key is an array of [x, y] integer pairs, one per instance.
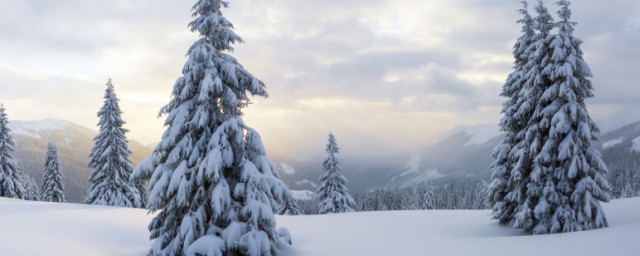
{"points": [[539, 57], [52, 180], [10, 175], [110, 159], [333, 194], [504, 196], [428, 197], [411, 200], [289, 207], [627, 191], [31, 190], [140, 177], [212, 184], [482, 195], [568, 174]]}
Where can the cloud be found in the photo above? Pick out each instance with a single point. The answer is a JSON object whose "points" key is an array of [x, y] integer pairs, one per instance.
{"points": [[379, 73]]}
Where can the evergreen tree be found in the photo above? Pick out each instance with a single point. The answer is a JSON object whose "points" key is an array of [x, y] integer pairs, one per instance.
{"points": [[428, 196], [564, 175], [110, 159], [211, 182], [568, 174], [332, 193], [10, 175], [52, 180], [140, 177], [627, 191], [31, 191], [506, 175], [539, 54], [289, 207]]}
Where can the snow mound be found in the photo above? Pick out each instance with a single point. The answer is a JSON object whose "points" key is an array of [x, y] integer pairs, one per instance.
{"points": [[478, 134], [287, 169], [635, 146], [303, 194], [611, 143], [56, 229], [306, 182], [34, 128]]}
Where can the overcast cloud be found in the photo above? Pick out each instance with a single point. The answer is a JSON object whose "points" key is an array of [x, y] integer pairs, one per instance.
{"points": [[378, 73]]}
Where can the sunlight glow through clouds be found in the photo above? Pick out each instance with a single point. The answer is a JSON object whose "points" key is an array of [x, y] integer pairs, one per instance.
{"points": [[391, 73]]}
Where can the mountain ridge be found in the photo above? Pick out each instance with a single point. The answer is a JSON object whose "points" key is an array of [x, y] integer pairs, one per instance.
{"points": [[74, 142]]}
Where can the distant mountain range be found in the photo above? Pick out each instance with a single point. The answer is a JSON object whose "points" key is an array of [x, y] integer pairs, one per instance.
{"points": [[74, 143], [621, 147], [463, 153]]}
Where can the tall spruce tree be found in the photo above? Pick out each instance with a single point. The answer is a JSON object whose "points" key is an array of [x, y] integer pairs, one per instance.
{"points": [[502, 191], [333, 194], [10, 175], [110, 159], [211, 182], [568, 174], [526, 147], [52, 180]]}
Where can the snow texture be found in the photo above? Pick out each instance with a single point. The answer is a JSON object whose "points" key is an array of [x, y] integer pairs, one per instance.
{"points": [[333, 194], [110, 159], [52, 179], [72, 230]]}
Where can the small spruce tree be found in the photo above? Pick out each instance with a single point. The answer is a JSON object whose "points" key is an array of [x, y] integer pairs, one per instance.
{"points": [[52, 180], [10, 175], [333, 194], [31, 190], [289, 207], [428, 196], [110, 159]]}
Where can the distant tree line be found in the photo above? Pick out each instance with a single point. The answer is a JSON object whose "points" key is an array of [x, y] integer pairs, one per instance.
{"points": [[625, 182], [449, 195]]}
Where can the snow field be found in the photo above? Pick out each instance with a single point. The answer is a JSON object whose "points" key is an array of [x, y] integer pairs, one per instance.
{"points": [[36, 228]]}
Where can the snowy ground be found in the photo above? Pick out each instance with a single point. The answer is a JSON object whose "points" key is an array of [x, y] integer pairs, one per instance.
{"points": [[28, 228]]}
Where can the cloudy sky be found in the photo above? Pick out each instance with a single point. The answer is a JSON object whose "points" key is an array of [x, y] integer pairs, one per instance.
{"points": [[378, 73]]}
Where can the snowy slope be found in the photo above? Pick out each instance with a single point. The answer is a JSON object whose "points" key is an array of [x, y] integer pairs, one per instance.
{"points": [[462, 153], [478, 134], [36, 228], [635, 146], [74, 143], [303, 194], [34, 128], [611, 143], [30, 228]]}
